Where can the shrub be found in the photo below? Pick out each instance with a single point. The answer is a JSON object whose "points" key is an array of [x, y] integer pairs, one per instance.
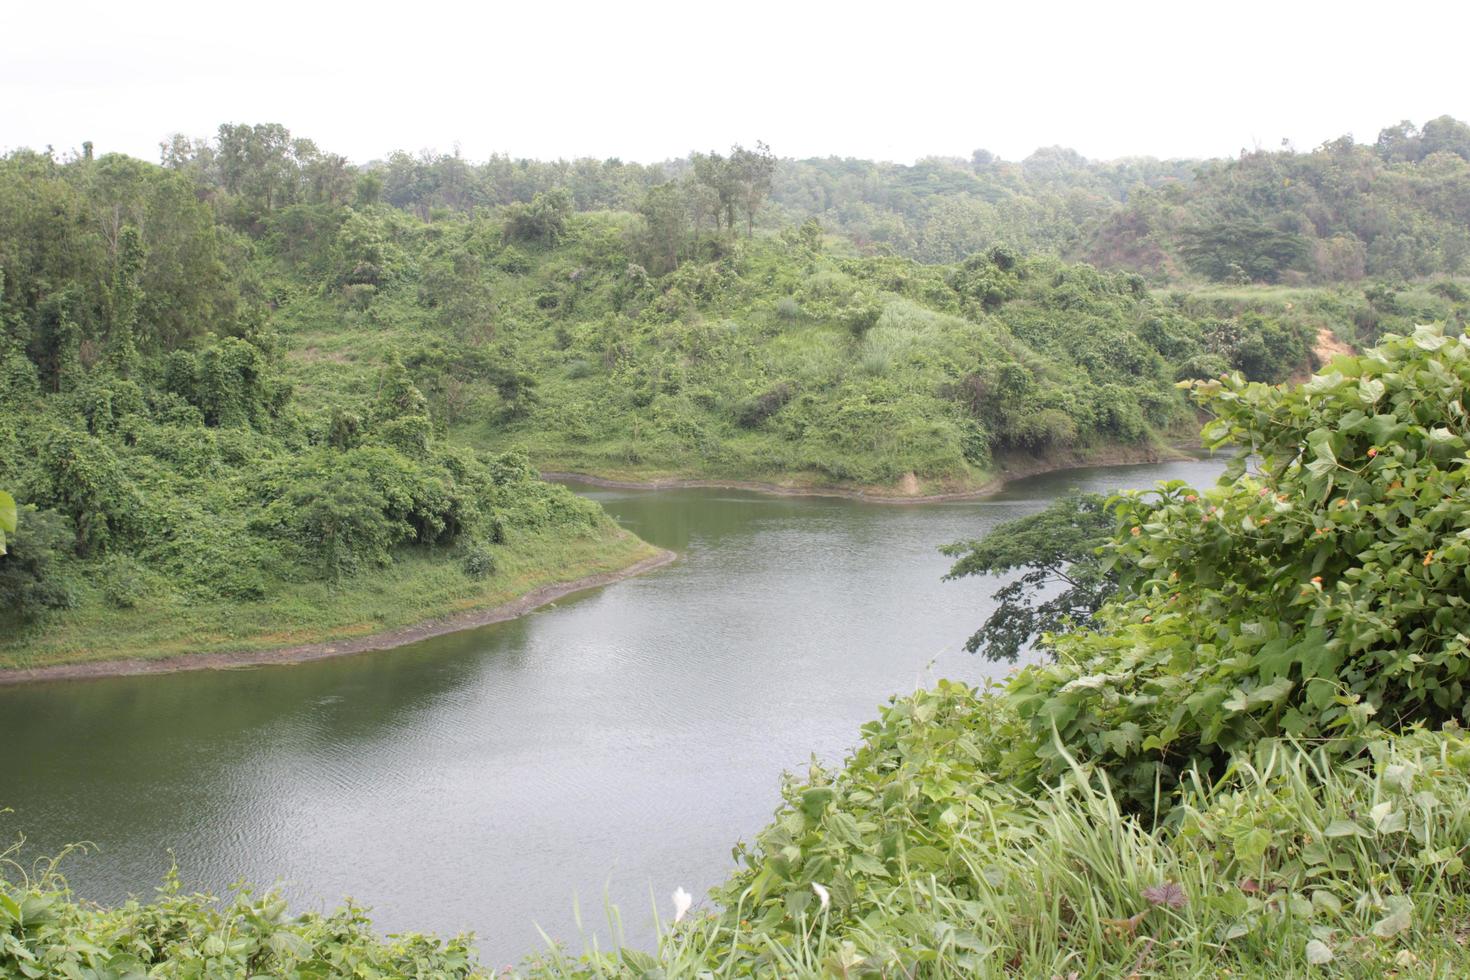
{"points": [[862, 316], [46, 932], [33, 570], [1303, 600], [479, 562], [751, 413], [124, 582], [542, 222]]}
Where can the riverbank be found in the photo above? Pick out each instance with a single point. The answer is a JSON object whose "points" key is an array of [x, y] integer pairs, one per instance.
{"points": [[419, 599], [376, 615], [909, 490]]}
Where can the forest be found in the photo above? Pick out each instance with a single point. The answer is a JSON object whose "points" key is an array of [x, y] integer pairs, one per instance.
{"points": [[1345, 211], [256, 395]]}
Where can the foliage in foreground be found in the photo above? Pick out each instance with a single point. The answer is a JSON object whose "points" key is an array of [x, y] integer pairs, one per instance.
{"points": [[913, 860], [44, 933], [1303, 599], [1296, 864]]}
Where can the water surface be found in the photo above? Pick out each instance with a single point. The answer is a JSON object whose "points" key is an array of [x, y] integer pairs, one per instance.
{"points": [[611, 746]]}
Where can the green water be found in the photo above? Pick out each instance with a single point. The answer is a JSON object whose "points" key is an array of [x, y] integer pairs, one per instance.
{"points": [[612, 746]]}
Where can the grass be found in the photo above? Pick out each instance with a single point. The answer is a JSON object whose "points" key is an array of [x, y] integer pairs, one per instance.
{"points": [[415, 588], [1291, 869]]}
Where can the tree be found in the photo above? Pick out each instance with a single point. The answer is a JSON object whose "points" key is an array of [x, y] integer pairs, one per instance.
{"points": [[702, 202], [1055, 549], [751, 173], [1244, 250], [125, 296], [543, 221], [1400, 143], [713, 172], [1446, 135], [32, 578], [665, 224]]}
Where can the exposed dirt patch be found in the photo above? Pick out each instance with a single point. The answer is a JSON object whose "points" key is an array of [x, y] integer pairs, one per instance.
{"points": [[1328, 346], [1009, 468]]}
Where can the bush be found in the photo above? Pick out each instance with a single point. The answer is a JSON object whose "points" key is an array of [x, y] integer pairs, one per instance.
{"points": [[33, 571], [862, 316], [124, 582], [479, 562], [750, 414], [337, 520], [1303, 601], [542, 222], [46, 932]]}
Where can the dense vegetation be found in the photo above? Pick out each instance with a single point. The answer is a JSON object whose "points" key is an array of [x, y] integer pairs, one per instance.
{"points": [[176, 496], [250, 393], [668, 338], [258, 395], [1254, 756], [1396, 208], [768, 359]]}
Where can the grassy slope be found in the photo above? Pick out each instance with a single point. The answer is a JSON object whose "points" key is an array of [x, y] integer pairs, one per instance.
{"points": [[656, 394], [415, 588]]}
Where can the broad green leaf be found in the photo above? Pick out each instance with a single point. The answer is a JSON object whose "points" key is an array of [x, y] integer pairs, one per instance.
{"points": [[1429, 338], [1326, 901], [1386, 819], [1252, 845], [814, 801], [1399, 918], [1343, 828]]}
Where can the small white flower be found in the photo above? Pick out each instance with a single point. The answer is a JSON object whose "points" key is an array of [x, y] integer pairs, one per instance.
{"points": [[823, 895], [682, 901]]}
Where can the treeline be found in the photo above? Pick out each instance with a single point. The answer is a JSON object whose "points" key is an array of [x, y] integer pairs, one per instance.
{"points": [[157, 320], [1394, 208], [1398, 208]]}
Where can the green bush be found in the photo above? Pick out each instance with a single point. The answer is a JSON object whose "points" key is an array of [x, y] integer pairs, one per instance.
{"points": [[1303, 600], [34, 574], [125, 584], [479, 562], [46, 932]]}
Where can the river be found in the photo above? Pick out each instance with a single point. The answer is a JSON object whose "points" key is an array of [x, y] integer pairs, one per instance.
{"points": [[605, 749]]}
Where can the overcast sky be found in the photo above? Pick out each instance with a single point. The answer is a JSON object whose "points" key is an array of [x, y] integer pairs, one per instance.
{"points": [[649, 81]]}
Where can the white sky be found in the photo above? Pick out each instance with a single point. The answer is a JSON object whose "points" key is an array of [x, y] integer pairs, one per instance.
{"points": [[652, 80]]}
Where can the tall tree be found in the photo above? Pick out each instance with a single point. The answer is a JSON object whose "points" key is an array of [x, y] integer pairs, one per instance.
{"points": [[665, 225], [713, 171], [751, 174]]}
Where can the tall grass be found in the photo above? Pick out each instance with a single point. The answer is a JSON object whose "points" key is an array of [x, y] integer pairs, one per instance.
{"points": [[1290, 868]]}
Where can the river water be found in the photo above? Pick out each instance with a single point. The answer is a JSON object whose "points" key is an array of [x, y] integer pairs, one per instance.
{"points": [[603, 750]]}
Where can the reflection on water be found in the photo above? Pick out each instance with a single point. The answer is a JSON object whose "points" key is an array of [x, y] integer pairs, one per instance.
{"points": [[612, 746]]}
